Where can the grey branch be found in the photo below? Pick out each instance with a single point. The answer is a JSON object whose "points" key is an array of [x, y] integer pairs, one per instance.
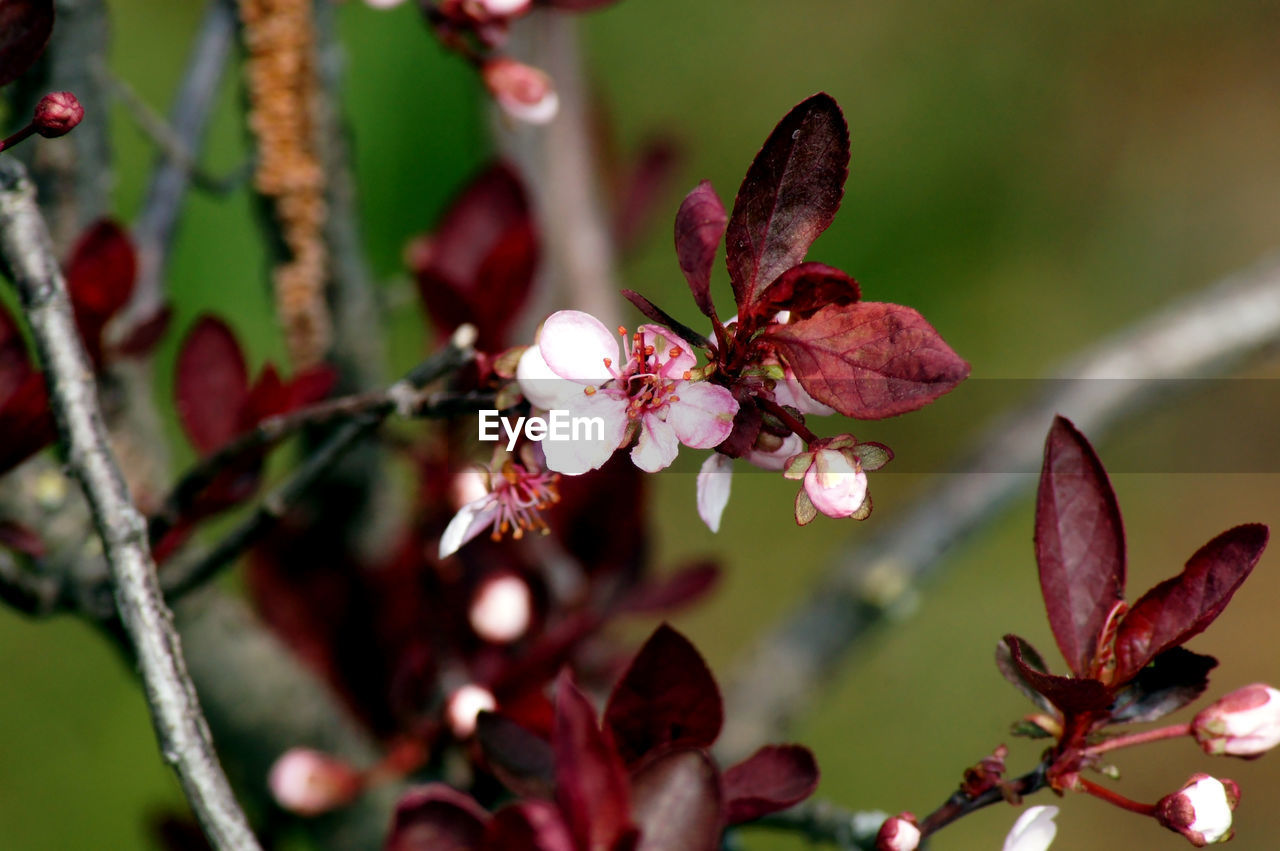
{"points": [[156, 223], [1205, 334], [180, 727]]}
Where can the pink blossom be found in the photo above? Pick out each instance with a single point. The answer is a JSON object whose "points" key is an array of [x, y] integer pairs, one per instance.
{"points": [[1244, 723], [464, 706], [834, 473], [1200, 810], [512, 502], [642, 391], [524, 92], [716, 476], [308, 782], [501, 609]]}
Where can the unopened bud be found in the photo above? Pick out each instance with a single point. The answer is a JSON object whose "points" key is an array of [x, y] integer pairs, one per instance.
{"points": [[501, 608], [1244, 723], [308, 782], [524, 92], [504, 8], [56, 114], [836, 483], [898, 833], [465, 705], [1200, 810]]}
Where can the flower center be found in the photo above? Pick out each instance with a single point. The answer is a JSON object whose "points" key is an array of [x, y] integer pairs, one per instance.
{"points": [[521, 497]]}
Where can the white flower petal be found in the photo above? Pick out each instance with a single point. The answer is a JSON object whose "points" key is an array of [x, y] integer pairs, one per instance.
{"points": [[472, 519], [658, 445], [714, 482], [575, 457], [540, 385], [1033, 831], [575, 344], [703, 417]]}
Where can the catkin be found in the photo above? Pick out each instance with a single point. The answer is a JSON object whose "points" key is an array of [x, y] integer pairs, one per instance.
{"points": [[279, 38]]}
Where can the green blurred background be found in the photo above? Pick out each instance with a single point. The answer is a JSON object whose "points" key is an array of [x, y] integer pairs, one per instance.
{"points": [[1030, 176]]}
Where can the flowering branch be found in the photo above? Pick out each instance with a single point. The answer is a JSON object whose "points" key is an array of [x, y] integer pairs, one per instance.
{"points": [[180, 727], [1205, 334]]}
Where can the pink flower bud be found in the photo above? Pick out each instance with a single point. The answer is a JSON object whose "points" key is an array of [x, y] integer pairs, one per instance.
{"points": [[1200, 810], [835, 483], [309, 783], [898, 833], [1244, 723], [56, 114], [465, 705], [501, 608], [524, 92], [504, 8]]}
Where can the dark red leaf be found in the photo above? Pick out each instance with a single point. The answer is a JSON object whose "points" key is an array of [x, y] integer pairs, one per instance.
{"points": [[100, 278], [868, 360], [676, 802], [15, 362], [789, 197], [657, 314], [479, 264], [26, 425], [1180, 608], [591, 787], [1079, 544], [528, 826], [211, 384], [310, 386], [25, 26], [21, 539], [436, 818], [146, 335], [806, 288], [522, 760], [700, 225], [773, 778], [643, 189], [666, 698], [1013, 673], [1070, 694], [1172, 680], [672, 592]]}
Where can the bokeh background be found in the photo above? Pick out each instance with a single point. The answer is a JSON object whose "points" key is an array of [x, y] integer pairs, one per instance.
{"points": [[1030, 176]]}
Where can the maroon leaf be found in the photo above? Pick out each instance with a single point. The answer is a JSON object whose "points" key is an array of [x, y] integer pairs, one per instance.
{"points": [[868, 360], [211, 384], [21, 539], [789, 197], [436, 818], [700, 224], [522, 760], [1180, 608], [310, 386], [1070, 694], [666, 698], [528, 826], [773, 778], [25, 26], [1079, 544], [591, 787], [26, 425], [100, 278], [1172, 680], [672, 592], [657, 314], [15, 363], [146, 335], [676, 801], [1013, 673], [806, 288], [479, 264]]}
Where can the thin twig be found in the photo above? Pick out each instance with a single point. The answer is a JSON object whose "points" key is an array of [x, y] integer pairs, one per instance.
{"points": [[154, 228], [1205, 334], [182, 577], [180, 727]]}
